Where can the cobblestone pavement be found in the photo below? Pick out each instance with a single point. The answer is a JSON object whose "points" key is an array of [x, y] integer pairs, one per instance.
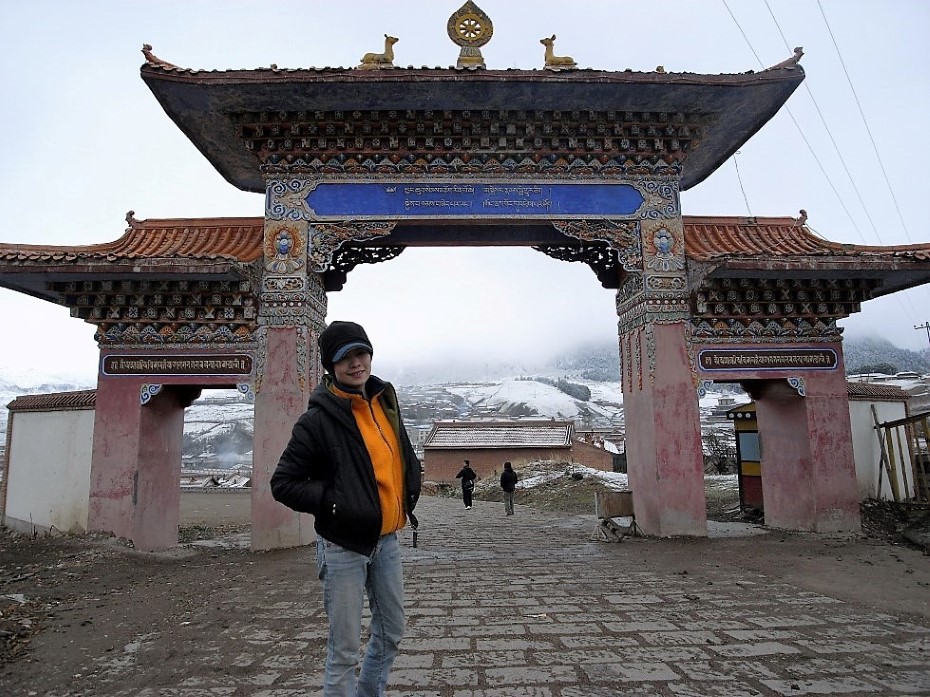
{"points": [[531, 606]]}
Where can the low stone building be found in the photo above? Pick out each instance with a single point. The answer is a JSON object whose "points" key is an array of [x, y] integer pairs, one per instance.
{"points": [[488, 444]]}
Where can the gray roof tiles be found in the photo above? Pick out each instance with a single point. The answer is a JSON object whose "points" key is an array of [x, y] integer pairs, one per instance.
{"points": [[500, 434]]}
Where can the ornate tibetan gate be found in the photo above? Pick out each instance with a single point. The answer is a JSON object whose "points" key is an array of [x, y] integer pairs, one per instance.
{"points": [[583, 165]]}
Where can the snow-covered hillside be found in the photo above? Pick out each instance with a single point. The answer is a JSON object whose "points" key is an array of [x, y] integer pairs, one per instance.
{"points": [[522, 397]]}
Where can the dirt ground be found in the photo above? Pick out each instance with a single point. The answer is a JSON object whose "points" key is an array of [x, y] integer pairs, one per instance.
{"points": [[63, 599]]}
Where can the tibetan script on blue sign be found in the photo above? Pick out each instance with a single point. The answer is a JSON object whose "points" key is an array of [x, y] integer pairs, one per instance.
{"points": [[395, 200]]}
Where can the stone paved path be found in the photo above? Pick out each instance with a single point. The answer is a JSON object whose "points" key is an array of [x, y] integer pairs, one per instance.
{"points": [[531, 606]]}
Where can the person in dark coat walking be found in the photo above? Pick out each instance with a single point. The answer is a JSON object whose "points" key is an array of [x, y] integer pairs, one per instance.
{"points": [[468, 477], [350, 463], [508, 484]]}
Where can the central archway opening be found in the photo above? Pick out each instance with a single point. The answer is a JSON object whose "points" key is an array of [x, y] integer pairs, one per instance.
{"points": [[474, 311]]}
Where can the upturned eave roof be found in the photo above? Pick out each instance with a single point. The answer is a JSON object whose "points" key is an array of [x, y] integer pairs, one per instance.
{"points": [[201, 102], [155, 249], [732, 247], [715, 247]]}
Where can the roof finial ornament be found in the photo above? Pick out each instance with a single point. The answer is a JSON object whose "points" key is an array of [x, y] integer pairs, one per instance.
{"points": [[376, 61], [554, 62], [470, 28], [131, 220], [152, 59], [801, 219], [790, 63]]}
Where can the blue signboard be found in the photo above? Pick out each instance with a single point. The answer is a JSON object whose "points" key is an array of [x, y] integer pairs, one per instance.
{"points": [[396, 200]]}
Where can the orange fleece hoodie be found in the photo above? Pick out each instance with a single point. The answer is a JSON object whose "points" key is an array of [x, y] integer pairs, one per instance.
{"points": [[386, 459]]}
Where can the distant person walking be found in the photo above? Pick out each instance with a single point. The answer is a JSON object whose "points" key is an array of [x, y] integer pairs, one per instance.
{"points": [[350, 463], [508, 484], [468, 477]]}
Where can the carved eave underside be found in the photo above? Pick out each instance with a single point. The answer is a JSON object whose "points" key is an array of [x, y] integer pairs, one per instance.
{"points": [[736, 300], [543, 236], [487, 143], [605, 262], [348, 257], [251, 123], [134, 309], [889, 270], [722, 254], [748, 298]]}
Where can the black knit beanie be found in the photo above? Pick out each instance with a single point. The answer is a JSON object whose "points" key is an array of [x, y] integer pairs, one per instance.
{"points": [[338, 339]]}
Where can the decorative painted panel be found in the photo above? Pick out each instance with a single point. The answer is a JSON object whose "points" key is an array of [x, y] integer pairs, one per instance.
{"points": [[326, 238]]}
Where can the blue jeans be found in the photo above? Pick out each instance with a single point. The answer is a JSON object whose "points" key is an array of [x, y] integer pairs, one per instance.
{"points": [[347, 576]]}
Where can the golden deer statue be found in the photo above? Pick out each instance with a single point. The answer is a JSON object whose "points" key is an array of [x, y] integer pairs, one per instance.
{"points": [[381, 60], [554, 62]]}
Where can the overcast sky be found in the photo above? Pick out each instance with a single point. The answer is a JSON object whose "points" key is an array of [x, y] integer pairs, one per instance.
{"points": [[85, 141]]}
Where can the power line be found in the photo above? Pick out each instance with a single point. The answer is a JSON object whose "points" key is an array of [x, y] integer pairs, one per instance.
{"points": [[865, 122], [745, 38], [902, 299], [836, 147], [741, 187], [810, 148], [826, 127]]}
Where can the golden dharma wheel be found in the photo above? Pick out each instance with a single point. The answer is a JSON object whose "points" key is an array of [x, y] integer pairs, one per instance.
{"points": [[470, 26]]}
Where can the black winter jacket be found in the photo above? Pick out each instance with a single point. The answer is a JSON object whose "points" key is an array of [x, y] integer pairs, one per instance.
{"points": [[327, 465], [508, 480]]}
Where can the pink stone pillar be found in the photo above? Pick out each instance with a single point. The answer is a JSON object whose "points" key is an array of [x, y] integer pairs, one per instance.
{"points": [[280, 397], [136, 463], [663, 432], [808, 470]]}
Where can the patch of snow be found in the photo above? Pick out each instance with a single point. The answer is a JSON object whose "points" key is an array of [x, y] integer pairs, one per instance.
{"points": [[723, 482], [536, 474]]}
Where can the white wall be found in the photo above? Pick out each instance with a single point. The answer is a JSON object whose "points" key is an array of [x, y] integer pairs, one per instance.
{"points": [[49, 470], [867, 452]]}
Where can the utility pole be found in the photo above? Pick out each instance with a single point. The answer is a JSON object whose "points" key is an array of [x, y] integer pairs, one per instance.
{"points": [[925, 325]]}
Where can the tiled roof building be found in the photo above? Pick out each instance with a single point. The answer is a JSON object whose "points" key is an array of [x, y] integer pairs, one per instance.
{"points": [[488, 444]]}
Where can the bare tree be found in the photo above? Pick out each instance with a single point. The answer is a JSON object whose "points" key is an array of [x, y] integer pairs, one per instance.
{"points": [[719, 453]]}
